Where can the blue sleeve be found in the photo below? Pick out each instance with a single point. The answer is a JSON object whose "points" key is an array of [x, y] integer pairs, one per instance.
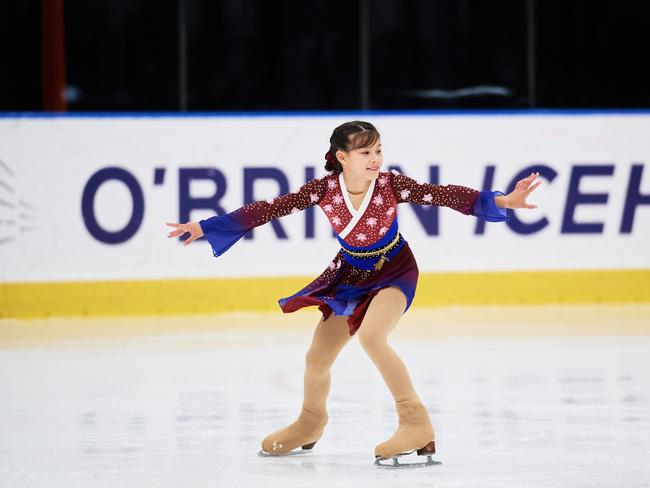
{"points": [[485, 207], [223, 231]]}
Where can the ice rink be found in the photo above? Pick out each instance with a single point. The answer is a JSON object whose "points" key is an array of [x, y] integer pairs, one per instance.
{"points": [[555, 396]]}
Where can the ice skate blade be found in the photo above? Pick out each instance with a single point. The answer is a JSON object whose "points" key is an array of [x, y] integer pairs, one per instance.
{"points": [[395, 464], [295, 452]]}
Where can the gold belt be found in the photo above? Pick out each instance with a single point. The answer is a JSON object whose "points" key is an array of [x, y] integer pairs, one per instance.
{"points": [[376, 252]]}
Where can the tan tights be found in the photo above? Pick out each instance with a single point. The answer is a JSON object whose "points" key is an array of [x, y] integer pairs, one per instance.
{"points": [[331, 335]]}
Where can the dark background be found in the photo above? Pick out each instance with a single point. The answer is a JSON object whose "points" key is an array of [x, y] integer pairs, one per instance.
{"points": [[259, 55]]}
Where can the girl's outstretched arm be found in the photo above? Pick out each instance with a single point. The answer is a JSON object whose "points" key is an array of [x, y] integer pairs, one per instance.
{"points": [[222, 231], [488, 205]]}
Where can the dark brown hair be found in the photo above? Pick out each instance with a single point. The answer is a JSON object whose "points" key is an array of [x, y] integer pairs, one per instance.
{"points": [[348, 136]]}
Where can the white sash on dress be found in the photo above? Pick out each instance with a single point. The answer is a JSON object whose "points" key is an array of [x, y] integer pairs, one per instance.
{"points": [[356, 214]]}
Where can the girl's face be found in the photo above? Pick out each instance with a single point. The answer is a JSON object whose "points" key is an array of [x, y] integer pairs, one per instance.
{"points": [[362, 163]]}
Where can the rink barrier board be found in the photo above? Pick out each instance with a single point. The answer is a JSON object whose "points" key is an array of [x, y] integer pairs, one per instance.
{"points": [[120, 179], [207, 296]]}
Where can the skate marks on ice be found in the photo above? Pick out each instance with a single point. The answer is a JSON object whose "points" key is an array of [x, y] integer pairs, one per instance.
{"points": [[193, 409]]}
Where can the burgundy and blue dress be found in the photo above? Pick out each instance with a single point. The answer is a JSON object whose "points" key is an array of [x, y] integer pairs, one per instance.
{"points": [[351, 279]]}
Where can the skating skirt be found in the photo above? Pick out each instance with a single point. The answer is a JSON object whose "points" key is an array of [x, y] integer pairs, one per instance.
{"points": [[347, 290]]}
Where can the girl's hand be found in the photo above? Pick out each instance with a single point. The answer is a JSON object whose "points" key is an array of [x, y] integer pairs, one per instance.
{"points": [[194, 228], [523, 188]]}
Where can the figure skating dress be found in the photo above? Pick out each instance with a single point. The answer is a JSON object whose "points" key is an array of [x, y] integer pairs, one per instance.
{"points": [[373, 254]]}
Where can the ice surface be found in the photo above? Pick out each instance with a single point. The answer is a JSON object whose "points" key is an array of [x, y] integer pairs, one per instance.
{"points": [[191, 410]]}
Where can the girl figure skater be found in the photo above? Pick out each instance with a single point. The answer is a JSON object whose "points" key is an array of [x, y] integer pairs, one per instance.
{"points": [[370, 282]]}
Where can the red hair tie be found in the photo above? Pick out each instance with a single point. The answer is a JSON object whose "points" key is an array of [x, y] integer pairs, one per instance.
{"points": [[328, 156]]}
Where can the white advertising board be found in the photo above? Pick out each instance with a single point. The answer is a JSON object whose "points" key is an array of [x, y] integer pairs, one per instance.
{"points": [[87, 198]]}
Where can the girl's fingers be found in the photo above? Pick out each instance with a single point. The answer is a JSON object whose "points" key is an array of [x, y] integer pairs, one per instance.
{"points": [[524, 183], [529, 179], [181, 229], [533, 187], [178, 228]]}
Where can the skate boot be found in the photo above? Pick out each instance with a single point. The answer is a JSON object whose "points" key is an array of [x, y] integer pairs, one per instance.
{"points": [[304, 432], [414, 433]]}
